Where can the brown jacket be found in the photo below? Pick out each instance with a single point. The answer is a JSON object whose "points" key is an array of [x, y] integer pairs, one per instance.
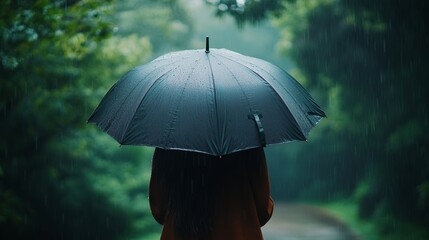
{"points": [[242, 207]]}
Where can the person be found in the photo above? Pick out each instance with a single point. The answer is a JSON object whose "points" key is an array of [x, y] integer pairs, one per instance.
{"points": [[199, 196]]}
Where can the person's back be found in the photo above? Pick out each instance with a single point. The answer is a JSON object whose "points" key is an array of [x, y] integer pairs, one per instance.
{"points": [[198, 196]]}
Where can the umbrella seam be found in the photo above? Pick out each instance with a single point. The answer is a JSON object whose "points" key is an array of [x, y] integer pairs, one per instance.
{"points": [[166, 135], [241, 87], [238, 82], [176, 54], [299, 86], [110, 90], [307, 116], [236, 79], [262, 69], [296, 102], [276, 84], [215, 96], [263, 79], [115, 115], [141, 101], [135, 69]]}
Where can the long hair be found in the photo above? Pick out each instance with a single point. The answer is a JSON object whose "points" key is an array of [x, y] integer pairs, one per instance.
{"points": [[188, 179]]}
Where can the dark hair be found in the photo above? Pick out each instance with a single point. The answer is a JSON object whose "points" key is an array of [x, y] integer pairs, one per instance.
{"points": [[188, 180]]}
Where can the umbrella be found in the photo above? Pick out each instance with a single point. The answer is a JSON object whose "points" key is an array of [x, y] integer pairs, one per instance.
{"points": [[213, 101]]}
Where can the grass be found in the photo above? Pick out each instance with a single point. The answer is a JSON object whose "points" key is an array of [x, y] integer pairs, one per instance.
{"points": [[347, 212], [381, 226]]}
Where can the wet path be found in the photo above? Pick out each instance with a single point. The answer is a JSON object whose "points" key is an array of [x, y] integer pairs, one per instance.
{"points": [[304, 222]]}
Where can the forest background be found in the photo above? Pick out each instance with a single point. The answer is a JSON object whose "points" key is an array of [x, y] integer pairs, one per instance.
{"points": [[364, 61]]}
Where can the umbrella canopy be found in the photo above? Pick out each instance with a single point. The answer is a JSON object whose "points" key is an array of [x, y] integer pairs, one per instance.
{"points": [[212, 101]]}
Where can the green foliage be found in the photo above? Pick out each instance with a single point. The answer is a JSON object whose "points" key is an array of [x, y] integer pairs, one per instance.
{"points": [[27, 24], [165, 23], [117, 175], [366, 58], [60, 178], [365, 62], [252, 11], [382, 226]]}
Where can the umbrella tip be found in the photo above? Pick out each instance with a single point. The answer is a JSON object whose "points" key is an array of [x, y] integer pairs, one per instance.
{"points": [[207, 44]]}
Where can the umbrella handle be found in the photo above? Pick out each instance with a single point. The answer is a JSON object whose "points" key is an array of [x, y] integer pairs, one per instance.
{"points": [[254, 115]]}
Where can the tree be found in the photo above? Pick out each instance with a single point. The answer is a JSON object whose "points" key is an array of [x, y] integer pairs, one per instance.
{"points": [[366, 60], [165, 23], [252, 11], [370, 55], [58, 177]]}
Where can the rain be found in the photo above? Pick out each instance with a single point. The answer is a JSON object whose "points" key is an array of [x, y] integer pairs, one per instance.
{"points": [[361, 174]]}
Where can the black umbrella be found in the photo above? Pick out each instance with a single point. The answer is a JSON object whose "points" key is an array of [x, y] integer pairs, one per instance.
{"points": [[213, 101]]}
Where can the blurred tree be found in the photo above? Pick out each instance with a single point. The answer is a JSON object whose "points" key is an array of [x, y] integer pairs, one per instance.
{"points": [[366, 60], [58, 177], [371, 50], [165, 23], [248, 10]]}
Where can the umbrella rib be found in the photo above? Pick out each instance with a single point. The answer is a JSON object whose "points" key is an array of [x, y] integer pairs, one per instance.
{"points": [[302, 92], [263, 79], [115, 115], [238, 82], [214, 97], [173, 55], [265, 72], [169, 130], [299, 86], [141, 101]]}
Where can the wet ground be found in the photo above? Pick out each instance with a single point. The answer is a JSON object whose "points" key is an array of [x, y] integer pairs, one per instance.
{"points": [[305, 222]]}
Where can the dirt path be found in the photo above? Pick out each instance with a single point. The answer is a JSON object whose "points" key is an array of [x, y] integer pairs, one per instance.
{"points": [[304, 222]]}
